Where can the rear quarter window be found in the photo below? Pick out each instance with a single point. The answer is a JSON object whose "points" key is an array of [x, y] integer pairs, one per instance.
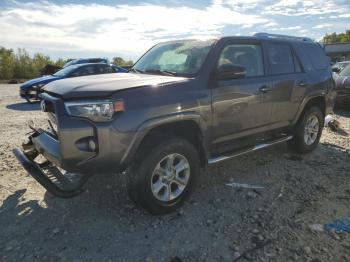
{"points": [[316, 56]]}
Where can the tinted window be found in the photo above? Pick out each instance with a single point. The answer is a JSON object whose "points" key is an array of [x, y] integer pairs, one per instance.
{"points": [[280, 59], [84, 71], [297, 66], [97, 60], [65, 71], [316, 55], [248, 56], [102, 69]]}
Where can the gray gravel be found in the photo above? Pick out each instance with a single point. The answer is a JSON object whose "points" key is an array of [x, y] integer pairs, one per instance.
{"points": [[218, 223]]}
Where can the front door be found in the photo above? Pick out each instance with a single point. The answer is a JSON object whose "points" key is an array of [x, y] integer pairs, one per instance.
{"points": [[239, 106]]}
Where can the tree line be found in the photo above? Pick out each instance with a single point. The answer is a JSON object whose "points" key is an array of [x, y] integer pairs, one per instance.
{"points": [[21, 65], [336, 38]]}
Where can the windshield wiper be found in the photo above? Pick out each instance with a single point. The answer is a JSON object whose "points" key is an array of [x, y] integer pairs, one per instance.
{"points": [[162, 72]]}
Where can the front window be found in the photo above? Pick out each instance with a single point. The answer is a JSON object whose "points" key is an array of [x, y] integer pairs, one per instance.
{"points": [[184, 57], [65, 71], [248, 56]]}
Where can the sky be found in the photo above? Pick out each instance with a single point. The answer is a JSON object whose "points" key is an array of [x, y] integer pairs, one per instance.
{"points": [[109, 28]]}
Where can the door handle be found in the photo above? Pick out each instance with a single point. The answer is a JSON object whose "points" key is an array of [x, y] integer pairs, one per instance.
{"points": [[265, 89], [302, 83]]}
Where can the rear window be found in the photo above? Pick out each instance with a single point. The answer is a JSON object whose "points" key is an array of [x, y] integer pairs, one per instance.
{"points": [[316, 56], [280, 58]]}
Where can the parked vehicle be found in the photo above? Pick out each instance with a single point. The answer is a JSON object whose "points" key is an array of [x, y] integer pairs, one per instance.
{"points": [[86, 61], [31, 89], [184, 105], [338, 67], [343, 87]]}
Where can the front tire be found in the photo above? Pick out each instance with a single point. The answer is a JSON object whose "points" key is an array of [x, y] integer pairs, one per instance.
{"points": [[308, 131], [32, 95], [163, 176]]}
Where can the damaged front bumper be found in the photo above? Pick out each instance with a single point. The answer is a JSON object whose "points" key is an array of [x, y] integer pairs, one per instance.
{"points": [[57, 182]]}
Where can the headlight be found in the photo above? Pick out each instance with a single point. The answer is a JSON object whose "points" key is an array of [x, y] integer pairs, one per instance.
{"points": [[98, 111]]}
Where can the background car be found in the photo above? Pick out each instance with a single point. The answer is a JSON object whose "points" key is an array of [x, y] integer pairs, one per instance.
{"points": [[30, 90], [86, 60], [343, 87], [338, 67]]}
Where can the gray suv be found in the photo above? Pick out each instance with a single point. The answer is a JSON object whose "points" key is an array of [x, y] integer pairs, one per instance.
{"points": [[184, 105]]}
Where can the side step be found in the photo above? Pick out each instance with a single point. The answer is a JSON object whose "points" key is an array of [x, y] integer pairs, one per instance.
{"points": [[217, 159]]}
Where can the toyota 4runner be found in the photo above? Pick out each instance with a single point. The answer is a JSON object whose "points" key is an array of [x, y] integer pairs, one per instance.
{"points": [[183, 105]]}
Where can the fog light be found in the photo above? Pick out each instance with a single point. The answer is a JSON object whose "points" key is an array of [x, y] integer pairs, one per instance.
{"points": [[92, 145]]}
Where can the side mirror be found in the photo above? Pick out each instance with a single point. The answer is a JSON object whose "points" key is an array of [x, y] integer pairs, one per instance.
{"points": [[335, 69], [230, 72]]}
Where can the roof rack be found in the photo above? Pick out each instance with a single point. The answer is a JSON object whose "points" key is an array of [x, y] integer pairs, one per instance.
{"points": [[287, 37]]}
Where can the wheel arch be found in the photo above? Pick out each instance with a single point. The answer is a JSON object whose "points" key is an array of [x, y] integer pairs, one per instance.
{"points": [[187, 125], [316, 100]]}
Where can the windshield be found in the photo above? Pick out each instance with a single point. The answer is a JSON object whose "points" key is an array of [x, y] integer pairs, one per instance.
{"points": [[72, 62], [65, 71], [184, 57], [345, 71]]}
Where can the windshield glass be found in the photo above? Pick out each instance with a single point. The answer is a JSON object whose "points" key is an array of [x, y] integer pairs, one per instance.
{"points": [[65, 71], [345, 71], [177, 57], [72, 62]]}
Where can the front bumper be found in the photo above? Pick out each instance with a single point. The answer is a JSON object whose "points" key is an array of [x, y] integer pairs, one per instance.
{"points": [[48, 175], [31, 93], [68, 145]]}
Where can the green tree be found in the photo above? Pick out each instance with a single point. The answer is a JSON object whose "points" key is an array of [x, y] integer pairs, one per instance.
{"points": [[336, 38], [60, 62], [118, 61], [20, 65], [7, 63], [23, 66], [38, 62]]}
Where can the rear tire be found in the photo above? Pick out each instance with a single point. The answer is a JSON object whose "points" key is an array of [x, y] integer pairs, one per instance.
{"points": [[164, 175], [308, 131]]}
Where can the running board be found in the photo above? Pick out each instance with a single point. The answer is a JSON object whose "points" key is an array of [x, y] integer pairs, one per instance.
{"points": [[248, 150]]}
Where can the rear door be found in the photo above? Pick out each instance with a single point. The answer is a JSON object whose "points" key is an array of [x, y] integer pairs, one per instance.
{"points": [[288, 82], [239, 106]]}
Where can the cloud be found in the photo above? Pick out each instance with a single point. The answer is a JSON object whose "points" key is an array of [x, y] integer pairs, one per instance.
{"points": [[130, 29], [122, 28], [321, 26], [287, 28], [309, 7]]}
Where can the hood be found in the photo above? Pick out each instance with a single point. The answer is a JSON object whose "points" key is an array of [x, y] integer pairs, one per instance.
{"points": [[342, 81], [39, 80], [106, 84]]}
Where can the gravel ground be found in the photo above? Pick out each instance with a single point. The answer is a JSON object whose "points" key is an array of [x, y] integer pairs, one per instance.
{"points": [[218, 223]]}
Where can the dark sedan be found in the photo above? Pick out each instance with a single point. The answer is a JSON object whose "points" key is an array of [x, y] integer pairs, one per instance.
{"points": [[343, 87], [31, 89]]}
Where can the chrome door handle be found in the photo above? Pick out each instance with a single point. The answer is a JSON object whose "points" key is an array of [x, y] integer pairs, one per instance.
{"points": [[265, 89], [302, 83]]}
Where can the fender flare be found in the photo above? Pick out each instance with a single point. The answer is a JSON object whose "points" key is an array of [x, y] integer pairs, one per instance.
{"points": [[305, 101], [150, 124]]}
